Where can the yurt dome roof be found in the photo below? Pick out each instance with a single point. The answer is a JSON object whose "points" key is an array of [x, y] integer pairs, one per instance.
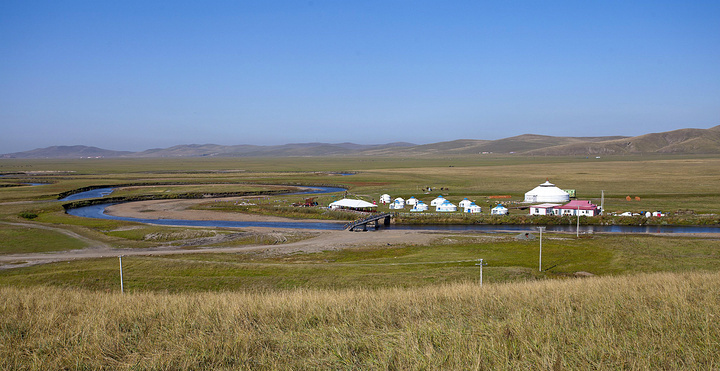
{"points": [[547, 192]]}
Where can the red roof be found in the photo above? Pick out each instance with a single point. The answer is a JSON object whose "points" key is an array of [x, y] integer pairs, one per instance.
{"points": [[578, 204]]}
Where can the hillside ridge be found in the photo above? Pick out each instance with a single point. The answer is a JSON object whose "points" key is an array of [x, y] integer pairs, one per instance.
{"points": [[681, 141]]}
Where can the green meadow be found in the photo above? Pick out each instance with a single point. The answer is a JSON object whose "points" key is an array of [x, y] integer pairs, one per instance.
{"points": [[602, 301]]}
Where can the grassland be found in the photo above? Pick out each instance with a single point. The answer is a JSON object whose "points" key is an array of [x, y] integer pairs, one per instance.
{"points": [[450, 259], [657, 321], [19, 239], [653, 304], [665, 183]]}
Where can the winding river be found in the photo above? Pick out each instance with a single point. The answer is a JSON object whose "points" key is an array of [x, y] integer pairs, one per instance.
{"points": [[93, 193], [98, 212]]}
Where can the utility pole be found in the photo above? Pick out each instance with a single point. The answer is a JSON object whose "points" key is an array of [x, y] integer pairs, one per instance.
{"points": [[122, 289], [540, 264], [481, 274], [577, 229]]}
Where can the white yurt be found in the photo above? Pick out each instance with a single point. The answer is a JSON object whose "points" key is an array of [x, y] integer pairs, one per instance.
{"points": [[499, 210], [419, 207], [547, 192], [385, 199], [472, 208], [445, 207], [411, 201], [438, 201], [398, 203], [465, 203]]}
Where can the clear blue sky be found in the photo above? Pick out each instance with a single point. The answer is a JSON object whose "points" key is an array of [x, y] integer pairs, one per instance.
{"points": [[133, 75]]}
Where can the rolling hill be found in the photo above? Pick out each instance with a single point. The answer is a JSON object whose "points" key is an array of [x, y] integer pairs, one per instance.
{"points": [[688, 141], [682, 141], [67, 152]]}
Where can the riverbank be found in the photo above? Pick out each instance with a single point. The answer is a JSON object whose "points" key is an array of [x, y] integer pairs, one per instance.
{"points": [[183, 209]]}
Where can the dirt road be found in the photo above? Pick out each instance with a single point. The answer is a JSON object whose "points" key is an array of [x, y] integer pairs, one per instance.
{"points": [[326, 240]]}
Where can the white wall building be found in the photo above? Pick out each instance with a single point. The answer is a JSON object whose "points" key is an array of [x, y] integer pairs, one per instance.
{"points": [[577, 207], [544, 209]]}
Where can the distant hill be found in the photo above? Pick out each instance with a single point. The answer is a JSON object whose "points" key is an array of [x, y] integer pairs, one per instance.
{"points": [[285, 150], [689, 141], [518, 144], [67, 152]]}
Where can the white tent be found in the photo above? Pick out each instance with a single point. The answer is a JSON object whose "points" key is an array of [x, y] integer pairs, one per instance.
{"points": [[547, 192], [472, 208], [499, 210], [446, 206], [385, 199], [439, 200], [465, 203], [347, 203], [399, 203], [419, 207], [411, 201]]}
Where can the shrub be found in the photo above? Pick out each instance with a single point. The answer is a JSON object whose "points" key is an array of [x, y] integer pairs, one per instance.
{"points": [[28, 215]]}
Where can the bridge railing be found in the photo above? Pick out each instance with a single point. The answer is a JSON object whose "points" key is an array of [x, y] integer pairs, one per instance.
{"points": [[369, 219]]}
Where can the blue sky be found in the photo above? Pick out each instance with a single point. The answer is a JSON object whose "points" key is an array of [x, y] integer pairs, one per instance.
{"points": [[133, 75]]}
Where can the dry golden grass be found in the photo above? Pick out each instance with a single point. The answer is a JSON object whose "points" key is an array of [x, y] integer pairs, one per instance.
{"points": [[651, 321]]}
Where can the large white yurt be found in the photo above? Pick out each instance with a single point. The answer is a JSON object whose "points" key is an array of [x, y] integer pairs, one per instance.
{"points": [[411, 201], [547, 192], [465, 203], [385, 199], [445, 207], [472, 208], [438, 201], [419, 207]]}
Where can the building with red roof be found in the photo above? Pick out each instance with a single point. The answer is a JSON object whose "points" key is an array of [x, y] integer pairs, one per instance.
{"points": [[578, 207]]}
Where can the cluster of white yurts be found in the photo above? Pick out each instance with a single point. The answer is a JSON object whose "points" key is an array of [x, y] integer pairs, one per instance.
{"points": [[441, 204], [546, 192]]}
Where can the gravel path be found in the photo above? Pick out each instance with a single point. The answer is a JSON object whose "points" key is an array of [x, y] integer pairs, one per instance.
{"points": [[327, 240]]}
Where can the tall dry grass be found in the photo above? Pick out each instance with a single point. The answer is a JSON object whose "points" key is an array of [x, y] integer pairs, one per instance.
{"points": [[652, 321]]}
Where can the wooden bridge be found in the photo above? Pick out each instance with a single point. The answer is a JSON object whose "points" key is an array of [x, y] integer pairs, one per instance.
{"points": [[362, 224]]}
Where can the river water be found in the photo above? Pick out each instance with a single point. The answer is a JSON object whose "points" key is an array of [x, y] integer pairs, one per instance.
{"points": [[93, 193], [98, 212]]}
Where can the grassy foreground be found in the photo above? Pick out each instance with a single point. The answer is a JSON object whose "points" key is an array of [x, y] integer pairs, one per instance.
{"points": [[647, 321]]}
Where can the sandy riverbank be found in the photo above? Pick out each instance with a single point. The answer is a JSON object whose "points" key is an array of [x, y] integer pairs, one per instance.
{"points": [[180, 209]]}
